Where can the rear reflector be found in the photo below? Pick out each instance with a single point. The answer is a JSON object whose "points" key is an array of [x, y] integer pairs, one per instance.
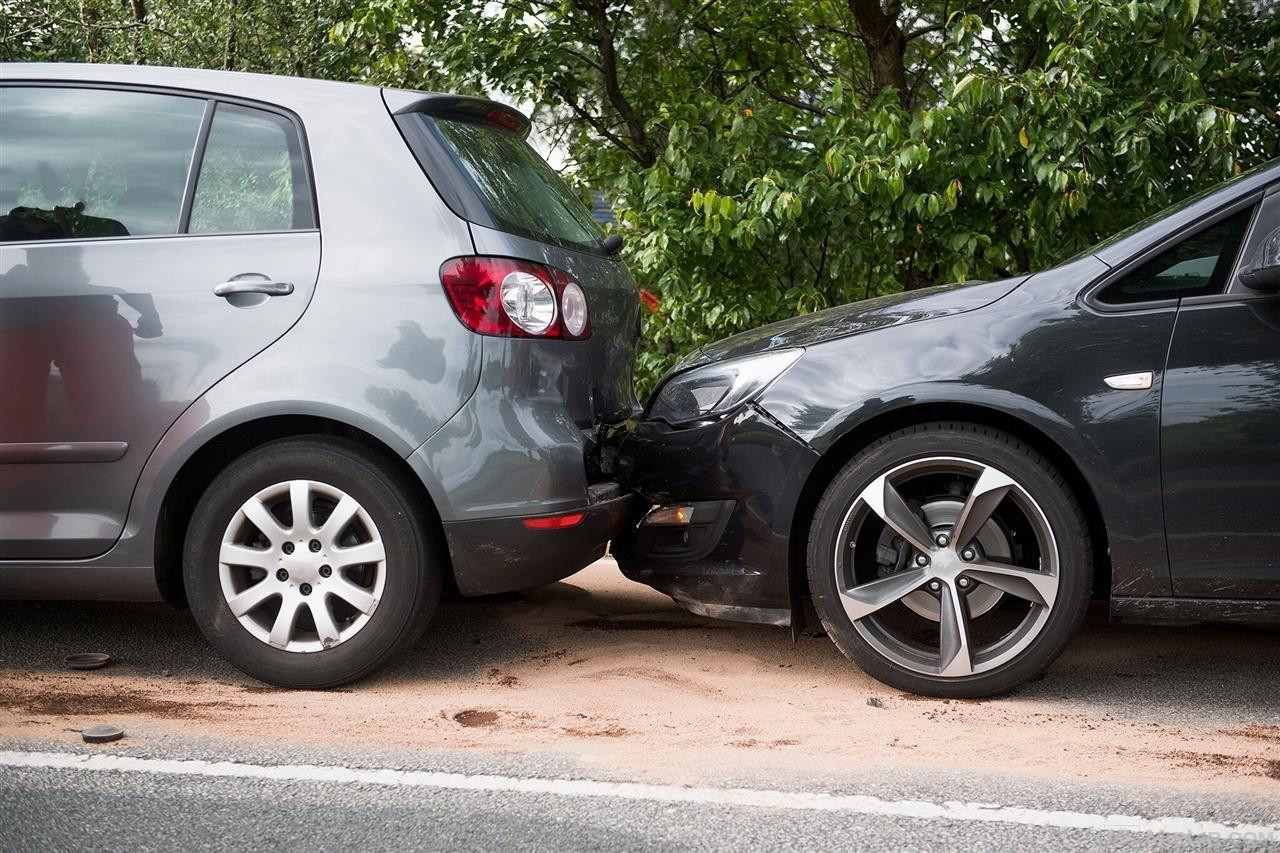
{"points": [[554, 522]]}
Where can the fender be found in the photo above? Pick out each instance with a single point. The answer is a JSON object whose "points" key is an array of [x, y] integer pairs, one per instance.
{"points": [[978, 360]]}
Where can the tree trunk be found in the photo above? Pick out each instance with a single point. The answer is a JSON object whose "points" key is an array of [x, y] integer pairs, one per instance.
{"points": [[89, 18], [231, 44], [1023, 258], [135, 39], [913, 278], [886, 46]]}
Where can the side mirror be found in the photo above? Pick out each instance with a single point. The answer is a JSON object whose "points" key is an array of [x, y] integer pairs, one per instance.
{"points": [[1264, 273]]}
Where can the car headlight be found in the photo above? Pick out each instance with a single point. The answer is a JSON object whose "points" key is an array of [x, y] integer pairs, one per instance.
{"points": [[705, 393]]}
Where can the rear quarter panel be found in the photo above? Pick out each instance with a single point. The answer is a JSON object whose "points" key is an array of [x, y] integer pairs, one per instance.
{"points": [[519, 444]]}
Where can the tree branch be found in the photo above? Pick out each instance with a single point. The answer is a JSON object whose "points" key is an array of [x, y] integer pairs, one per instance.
{"points": [[923, 31], [612, 88], [597, 124], [1269, 114]]}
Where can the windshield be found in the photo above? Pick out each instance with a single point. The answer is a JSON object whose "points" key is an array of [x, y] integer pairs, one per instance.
{"points": [[522, 193]]}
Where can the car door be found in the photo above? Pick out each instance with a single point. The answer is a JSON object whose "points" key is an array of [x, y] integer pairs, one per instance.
{"points": [[150, 243], [1220, 431]]}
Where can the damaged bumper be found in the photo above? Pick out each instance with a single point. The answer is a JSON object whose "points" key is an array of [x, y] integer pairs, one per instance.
{"points": [[731, 488]]}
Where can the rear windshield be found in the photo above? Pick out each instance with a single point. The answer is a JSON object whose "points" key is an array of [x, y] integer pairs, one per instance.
{"points": [[522, 193]]}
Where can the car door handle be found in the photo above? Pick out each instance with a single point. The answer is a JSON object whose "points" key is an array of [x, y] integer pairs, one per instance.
{"points": [[1130, 381], [253, 285]]}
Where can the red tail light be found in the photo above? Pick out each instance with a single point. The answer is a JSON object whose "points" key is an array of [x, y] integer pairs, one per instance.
{"points": [[476, 287]]}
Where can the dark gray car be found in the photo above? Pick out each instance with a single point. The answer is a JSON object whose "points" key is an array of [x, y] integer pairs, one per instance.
{"points": [[298, 353]]}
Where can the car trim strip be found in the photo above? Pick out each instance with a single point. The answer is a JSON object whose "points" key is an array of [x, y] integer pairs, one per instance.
{"points": [[193, 171], [46, 452]]}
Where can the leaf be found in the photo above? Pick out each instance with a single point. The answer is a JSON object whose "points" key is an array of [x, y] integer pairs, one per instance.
{"points": [[1022, 137], [865, 180], [896, 186], [1208, 116], [965, 82]]}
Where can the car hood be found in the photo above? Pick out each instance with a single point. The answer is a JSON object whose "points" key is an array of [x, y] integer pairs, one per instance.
{"points": [[844, 320]]}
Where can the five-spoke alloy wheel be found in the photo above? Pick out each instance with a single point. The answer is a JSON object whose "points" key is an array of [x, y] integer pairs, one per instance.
{"points": [[310, 562], [950, 560]]}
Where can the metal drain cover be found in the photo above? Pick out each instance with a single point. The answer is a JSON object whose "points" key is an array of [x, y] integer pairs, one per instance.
{"points": [[102, 733], [88, 660]]}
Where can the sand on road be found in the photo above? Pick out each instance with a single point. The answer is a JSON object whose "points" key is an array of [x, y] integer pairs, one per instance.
{"points": [[615, 676]]}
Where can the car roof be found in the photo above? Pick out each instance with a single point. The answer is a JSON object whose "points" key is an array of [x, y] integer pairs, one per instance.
{"points": [[269, 88], [265, 87], [1186, 214]]}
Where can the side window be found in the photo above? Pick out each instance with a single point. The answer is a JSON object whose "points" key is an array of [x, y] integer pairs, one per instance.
{"points": [[85, 163], [1198, 266], [251, 176]]}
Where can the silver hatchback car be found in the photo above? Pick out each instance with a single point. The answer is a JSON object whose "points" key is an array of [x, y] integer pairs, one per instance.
{"points": [[297, 353]]}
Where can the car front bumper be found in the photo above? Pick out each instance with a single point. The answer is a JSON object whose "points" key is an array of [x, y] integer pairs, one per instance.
{"points": [[742, 476]]}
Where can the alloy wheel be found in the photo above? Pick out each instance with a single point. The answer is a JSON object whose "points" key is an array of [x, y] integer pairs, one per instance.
{"points": [[947, 566], [302, 566]]}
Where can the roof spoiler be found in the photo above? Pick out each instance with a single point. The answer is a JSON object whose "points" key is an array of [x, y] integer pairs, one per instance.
{"points": [[463, 108]]}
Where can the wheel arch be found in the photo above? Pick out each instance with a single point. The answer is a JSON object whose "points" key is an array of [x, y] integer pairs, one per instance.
{"points": [[199, 469], [847, 445]]}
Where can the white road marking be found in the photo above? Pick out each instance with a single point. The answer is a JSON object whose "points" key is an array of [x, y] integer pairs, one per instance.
{"points": [[741, 797]]}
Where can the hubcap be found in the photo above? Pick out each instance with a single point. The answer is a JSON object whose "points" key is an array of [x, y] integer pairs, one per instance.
{"points": [[989, 552], [302, 566]]}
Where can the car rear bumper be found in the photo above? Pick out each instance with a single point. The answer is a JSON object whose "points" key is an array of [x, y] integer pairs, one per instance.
{"points": [[516, 450], [492, 555], [742, 476]]}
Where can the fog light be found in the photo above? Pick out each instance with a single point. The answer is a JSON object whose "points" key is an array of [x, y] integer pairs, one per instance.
{"points": [[668, 516]]}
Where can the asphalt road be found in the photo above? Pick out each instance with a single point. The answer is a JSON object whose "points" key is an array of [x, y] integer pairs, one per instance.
{"points": [[594, 714], [45, 810]]}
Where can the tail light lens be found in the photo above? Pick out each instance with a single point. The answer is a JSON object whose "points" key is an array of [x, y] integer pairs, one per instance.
{"points": [[528, 301], [573, 308], [515, 299]]}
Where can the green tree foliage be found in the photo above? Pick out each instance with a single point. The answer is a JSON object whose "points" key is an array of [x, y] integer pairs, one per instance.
{"points": [[278, 37], [769, 157]]}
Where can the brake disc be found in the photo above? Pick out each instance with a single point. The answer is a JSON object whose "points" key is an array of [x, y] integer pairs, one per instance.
{"points": [[991, 543]]}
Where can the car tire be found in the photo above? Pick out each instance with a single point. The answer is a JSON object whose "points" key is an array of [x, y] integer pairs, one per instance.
{"points": [[1037, 550], [346, 618]]}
